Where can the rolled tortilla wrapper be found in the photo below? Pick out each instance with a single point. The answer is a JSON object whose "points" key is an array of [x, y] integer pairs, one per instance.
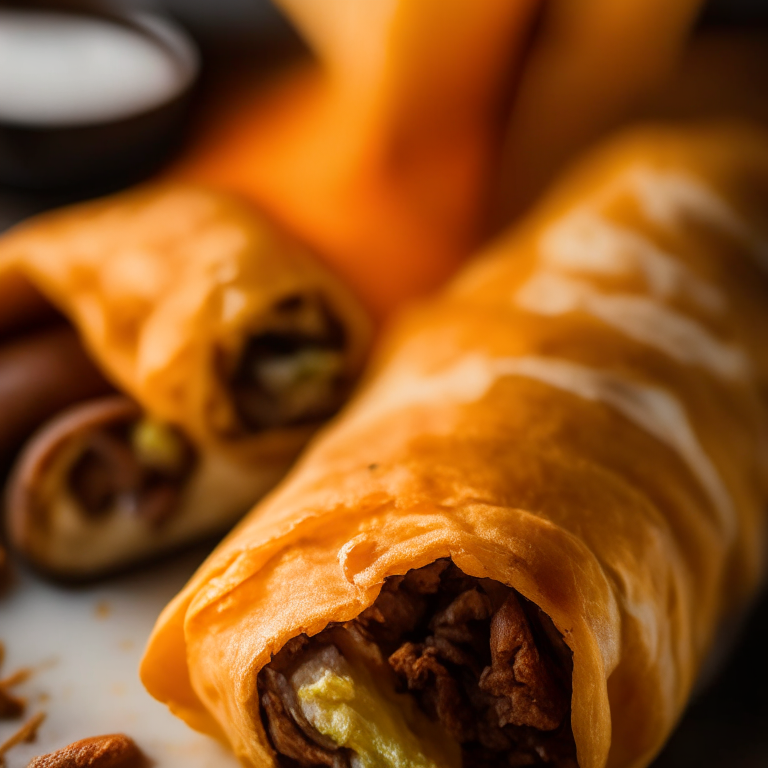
{"points": [[227, 339], [578, 424]]}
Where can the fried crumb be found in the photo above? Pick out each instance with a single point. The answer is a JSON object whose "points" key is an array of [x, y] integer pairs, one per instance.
{"points": [[113, 751], [12, 707], [102, 610], [27, 733], [17, 678]]}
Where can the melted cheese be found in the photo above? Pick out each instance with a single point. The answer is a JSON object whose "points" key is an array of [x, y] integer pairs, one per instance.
{"points": [[359, 711]]}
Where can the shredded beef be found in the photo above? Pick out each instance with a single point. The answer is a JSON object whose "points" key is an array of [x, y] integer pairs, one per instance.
{"points": [[402, 604], [518, 677], [442, 695], [485, 663]]}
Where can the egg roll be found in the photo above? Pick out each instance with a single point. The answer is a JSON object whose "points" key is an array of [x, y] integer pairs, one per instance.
{"points": [[168, 354], [421, 125], [518, 543]]}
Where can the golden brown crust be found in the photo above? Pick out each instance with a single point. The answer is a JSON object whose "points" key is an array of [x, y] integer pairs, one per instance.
{"points": [[113, 751]]}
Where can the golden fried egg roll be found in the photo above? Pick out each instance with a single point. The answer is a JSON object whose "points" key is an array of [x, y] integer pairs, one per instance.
{"points": [[518, 544], [167, 354]]}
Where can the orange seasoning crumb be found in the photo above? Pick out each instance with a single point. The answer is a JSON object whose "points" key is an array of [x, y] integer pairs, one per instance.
{"points": [[17, 678], [12, 706], [27, 732]]}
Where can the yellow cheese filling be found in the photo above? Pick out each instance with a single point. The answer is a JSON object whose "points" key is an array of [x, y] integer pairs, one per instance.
{"points": [[363, 713]]}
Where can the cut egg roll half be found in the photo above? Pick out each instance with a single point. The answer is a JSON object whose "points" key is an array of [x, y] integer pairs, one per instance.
{"points": [[167, 355], [520, 541]]}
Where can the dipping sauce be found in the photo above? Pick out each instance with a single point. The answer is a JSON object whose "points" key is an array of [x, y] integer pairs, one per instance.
{"points": [[64, 69]]}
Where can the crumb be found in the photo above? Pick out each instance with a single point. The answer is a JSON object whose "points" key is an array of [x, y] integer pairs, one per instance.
{"points": [[48, 663], [127, 645], [17, 678], [102, 610], [12, 707], [27, 733], [113, 751]]}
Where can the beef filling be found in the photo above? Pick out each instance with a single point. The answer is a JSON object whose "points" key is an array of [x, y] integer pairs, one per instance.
{"points": [[478, 658], [293, 372], [143, 462]]}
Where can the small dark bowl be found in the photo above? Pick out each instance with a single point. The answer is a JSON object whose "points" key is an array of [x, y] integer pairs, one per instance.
{"points": [[101, 155]]}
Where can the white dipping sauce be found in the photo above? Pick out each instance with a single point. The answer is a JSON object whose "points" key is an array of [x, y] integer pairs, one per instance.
{"points": [[69, 69]]}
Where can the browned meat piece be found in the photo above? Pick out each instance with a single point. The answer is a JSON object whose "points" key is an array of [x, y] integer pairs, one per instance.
{"points": [[518, 676], [458, 621], [401, 605], [425, 581], [443, 698]]}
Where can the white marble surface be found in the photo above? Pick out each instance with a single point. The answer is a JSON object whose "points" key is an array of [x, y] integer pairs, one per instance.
{"points": [[84, 646]]}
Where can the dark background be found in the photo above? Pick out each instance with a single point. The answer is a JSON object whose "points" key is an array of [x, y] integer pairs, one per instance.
{"points": [[727, 725]]}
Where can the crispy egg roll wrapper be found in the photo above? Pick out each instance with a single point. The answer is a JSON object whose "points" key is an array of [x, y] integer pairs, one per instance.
{"points": [[581, 416], [169, 287]]}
